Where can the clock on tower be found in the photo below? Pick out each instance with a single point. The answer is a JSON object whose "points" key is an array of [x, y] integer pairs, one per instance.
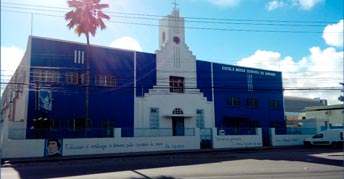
{"points": [[176, 40]]}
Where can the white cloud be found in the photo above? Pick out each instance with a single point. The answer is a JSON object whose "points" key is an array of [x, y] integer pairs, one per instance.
{"points": [[318, 70], [302, 4], [10, 59], [127, 43], [306, 4], [333, 34], [221, 3], [272, 5], [225, 3]]}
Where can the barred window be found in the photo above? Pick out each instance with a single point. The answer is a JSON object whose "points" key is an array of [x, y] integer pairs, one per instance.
{"points": [[233, 101], [251, 102], [177, 111], [106, 80], [176, 84], [154, 118], [76, 78], [200, 118], [275, 104], [43, 75]]}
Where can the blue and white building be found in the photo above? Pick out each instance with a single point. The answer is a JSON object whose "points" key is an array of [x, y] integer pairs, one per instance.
{"points": [[169, 91]]}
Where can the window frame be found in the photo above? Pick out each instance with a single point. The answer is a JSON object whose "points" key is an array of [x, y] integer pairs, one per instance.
{"points": [[233, 101], [177, 84], [200, 118], [45, 76], [106, 80], [154, 122], [252, 102]]}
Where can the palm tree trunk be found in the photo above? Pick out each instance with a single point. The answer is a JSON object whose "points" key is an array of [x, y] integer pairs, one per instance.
{"points": [[87, 81]]}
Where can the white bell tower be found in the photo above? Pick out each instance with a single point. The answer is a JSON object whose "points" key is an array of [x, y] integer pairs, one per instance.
{"points": [[175, 97], [174, 59], [171, 26]]}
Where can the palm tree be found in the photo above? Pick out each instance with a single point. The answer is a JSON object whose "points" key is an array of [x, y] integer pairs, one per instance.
{"points": [[87, 16]]}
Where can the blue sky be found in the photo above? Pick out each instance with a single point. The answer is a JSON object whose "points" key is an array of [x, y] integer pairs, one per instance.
{"points": [[301, 38]]}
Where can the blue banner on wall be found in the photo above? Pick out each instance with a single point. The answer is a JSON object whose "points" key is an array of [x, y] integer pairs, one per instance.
{"points": [[45, 100]]}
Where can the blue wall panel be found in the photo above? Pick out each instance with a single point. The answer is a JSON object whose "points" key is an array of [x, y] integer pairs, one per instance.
{"points": [[145, 72], [105, 103], [243, 83], [204, 78]]}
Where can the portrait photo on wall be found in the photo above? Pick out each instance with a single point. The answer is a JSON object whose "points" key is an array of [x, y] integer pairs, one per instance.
{"points": [[53, 148]]}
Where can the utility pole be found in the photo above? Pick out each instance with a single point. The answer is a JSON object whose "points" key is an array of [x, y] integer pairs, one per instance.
{"points": [[341, 97]]}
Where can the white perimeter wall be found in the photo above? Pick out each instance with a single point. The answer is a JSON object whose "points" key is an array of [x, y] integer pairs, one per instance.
{"points": [[237, 141], [23, 148], [287, 139], [127, 145], [73, 147]]}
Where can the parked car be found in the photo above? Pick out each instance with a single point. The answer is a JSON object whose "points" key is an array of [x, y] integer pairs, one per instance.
{"points": [[330, 137]]}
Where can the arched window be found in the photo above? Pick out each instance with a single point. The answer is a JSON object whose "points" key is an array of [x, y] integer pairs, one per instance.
{"points": [[177, 111]]}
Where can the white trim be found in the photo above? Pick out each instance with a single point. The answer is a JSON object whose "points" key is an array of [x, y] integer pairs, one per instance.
{"points": [[75, 55], [212, 82], [79, 55], [82, 57], [135, 74], [212, 93]]}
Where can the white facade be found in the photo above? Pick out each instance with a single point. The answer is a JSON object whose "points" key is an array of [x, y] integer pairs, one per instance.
{"points": [[16, 94], [174, 59]]}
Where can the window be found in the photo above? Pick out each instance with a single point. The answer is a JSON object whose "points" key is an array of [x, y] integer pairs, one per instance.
{"points": [[105, 80], [251, 102], [275, 104], [71, 78], [249, 82], [318, 136], [233, 101], [108, 126], [276, 125], [43, 75], [82, 79], [154, 118], [79, 123], [176, 84], [253, 124], [200, 118], [177, 111], [76, 78], [54, 124]]}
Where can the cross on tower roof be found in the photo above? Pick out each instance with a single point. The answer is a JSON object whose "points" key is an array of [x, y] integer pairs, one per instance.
{"points": [[175, 4]]}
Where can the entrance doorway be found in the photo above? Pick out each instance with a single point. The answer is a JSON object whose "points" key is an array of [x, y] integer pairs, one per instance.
{"points": [[178, 126]]}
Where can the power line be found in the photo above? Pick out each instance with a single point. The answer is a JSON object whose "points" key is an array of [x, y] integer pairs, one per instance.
{"points": [[279, 23], [161, 16]]}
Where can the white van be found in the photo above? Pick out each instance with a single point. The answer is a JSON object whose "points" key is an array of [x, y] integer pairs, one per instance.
{"points": [[332, 137]]}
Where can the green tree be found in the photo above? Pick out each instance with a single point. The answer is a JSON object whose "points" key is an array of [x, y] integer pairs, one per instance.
{"points": [[86, 17]]}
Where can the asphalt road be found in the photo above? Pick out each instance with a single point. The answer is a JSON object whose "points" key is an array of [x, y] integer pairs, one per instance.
{"points": [[285, 163]]}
